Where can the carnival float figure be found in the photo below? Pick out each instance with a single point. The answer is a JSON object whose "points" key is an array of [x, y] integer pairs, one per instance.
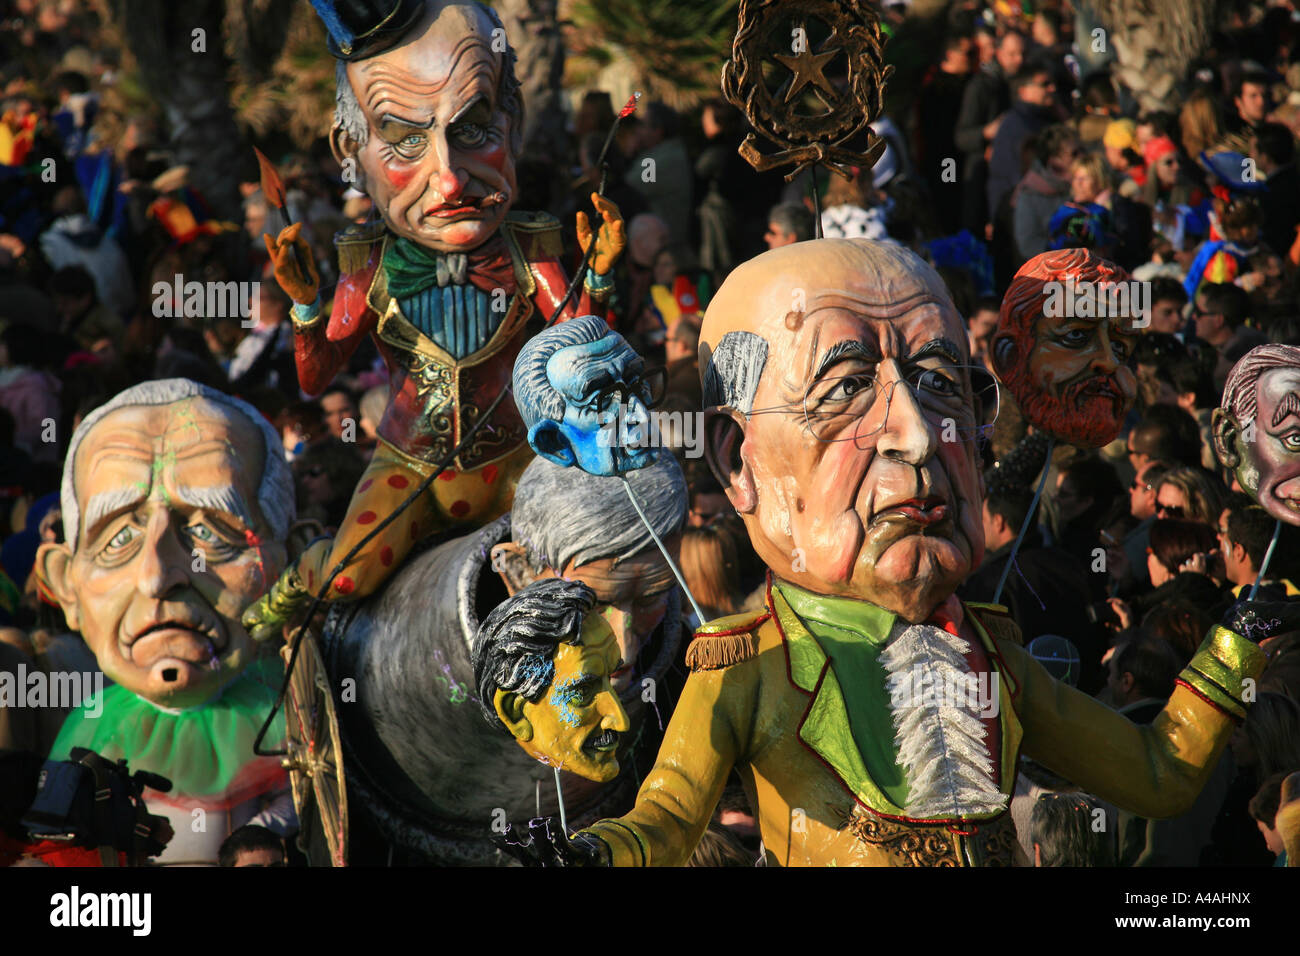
{"points": [[177, 504], [427, 777], [542, 664], [450, 284], [873, 717], [1257, 429]]}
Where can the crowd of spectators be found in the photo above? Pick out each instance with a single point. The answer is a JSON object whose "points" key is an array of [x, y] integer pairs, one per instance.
{"points": [[1012, 144]]}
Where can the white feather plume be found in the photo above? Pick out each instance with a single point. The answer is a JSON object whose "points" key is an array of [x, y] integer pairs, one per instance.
{"points": [[941, 740]]}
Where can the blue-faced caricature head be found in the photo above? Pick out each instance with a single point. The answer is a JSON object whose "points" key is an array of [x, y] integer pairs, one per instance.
{"points": [[583, 395]]}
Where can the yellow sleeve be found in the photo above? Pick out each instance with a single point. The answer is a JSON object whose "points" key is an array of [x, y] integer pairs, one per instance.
{"points": [[708, 733], [1156, 770]]}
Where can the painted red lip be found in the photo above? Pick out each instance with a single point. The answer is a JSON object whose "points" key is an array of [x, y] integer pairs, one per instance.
{"points": [[473, 205], [924, 511], [452, 212]]}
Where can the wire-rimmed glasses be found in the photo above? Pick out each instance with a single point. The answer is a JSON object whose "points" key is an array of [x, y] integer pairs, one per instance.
{"points": [[962, 400]]}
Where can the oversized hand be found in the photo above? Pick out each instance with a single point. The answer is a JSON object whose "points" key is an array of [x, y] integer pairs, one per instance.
{"points": [[295, 269], [544, 844], [1259, 620], [610, 239]]}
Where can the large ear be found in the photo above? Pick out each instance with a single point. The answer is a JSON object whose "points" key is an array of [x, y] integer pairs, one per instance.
{"points": [[510, 708], [53, 562], [1225, 429], [551, 443], [509, 561], [346, 150], [724, 434], [1005, 354]]}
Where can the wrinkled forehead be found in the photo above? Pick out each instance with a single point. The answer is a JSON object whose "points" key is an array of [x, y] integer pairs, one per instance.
{"points": [[1274, 387], [642, 575], [453, 58], [192, 433], [896, 323], [830, 276]]}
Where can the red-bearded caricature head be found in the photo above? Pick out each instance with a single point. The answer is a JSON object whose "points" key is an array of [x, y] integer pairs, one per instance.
{"points": [[1064, 337]]}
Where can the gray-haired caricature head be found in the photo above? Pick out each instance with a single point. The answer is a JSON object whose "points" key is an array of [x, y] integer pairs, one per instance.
{"points": [[573, 382], [1257, 428], [176, 502], [602, 524], [275, 494], [567, 523]]}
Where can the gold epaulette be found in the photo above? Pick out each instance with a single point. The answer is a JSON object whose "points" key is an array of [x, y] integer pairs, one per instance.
{"points": [[537, 234], [997, 620], [726, 641], [354, 244]]}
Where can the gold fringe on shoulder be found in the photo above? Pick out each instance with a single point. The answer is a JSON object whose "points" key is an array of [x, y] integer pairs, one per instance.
{"points": [[537, 233], [354, 245], [712, 652]]}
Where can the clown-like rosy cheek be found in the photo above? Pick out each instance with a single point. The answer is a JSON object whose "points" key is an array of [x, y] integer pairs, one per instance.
{"points": [[494, 157], [398, 176]]}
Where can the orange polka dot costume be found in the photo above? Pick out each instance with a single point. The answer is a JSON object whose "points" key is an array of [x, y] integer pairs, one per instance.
{"points": [[457, 498]]}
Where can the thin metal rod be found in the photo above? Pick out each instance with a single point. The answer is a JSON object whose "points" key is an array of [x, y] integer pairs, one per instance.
{"points": [[817, 203], [627, 486], [1024, 526], [1268, 556], [564, 822]]}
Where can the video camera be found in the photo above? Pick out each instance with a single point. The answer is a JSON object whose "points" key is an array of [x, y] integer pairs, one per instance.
{"points": [[89, 801]]}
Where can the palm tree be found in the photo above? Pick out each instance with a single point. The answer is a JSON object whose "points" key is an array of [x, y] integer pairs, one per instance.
{"points": [[534, 29], [180, 56], [1155, 41], [676, 46]]}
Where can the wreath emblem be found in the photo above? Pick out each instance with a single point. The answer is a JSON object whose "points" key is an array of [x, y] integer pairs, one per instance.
{"points": [[807, 115]]}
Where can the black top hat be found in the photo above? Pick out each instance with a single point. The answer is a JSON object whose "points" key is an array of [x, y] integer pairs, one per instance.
{"points": [[363, 28]]}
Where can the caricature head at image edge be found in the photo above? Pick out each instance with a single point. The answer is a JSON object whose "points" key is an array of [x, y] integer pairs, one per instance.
{"points": [[435, 124], [1068, 373], [542, 665], [1257, 428], [829, 369], [176, 505], [580, 393]]}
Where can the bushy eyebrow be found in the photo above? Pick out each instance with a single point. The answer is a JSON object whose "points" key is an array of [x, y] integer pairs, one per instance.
{"points": [[1289, 405], [388, 120], [479, 101], [853, 348], [223, 499], [849, 348], [108, 503], [945, 347]]}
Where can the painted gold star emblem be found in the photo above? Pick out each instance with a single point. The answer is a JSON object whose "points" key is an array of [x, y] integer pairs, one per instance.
{"points": [[807, 67]]}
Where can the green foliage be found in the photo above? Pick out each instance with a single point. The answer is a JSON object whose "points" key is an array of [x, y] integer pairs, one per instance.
{"points": [[676, 46]]}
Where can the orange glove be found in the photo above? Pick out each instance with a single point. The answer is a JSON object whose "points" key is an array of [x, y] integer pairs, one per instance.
{"points": [[610, 239], [295, 268]]}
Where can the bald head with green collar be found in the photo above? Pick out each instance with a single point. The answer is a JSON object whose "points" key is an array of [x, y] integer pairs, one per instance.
{"points": [[840, 421]]}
